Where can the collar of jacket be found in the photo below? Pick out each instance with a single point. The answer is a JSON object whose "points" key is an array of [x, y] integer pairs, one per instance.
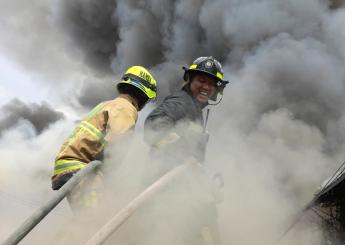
{"points": [[187, 89], [129, 98]]}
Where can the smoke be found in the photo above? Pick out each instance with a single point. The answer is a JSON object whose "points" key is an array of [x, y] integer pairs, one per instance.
{"points": [[93, 91], [297, 75], [94, 29], [26, 167], [40, 116], [276, 135], [269, 173]]}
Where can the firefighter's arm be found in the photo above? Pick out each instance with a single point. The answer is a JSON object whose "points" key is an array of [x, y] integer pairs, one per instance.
{"points": [[161, 120], [85, 144]]}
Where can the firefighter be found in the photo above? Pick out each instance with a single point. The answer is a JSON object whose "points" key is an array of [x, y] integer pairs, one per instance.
{"points": [[176, 132], [107, 122], [180, 118]]}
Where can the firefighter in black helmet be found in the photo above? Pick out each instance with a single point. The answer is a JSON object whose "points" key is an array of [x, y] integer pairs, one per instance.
{"points": [[176, 130], [182, 111], [210, 67]]}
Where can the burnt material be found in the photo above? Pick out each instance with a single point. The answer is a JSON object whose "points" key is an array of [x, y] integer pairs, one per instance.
{"points": [[329, 205]]}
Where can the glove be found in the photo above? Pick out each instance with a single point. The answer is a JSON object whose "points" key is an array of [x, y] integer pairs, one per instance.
{"points": [[167, 140]]}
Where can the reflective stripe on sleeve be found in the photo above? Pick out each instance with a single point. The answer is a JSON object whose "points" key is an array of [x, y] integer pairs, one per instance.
{"points": [[67, 165], [93, 131]]}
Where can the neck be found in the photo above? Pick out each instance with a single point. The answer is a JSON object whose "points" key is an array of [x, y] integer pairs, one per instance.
{"points": [[131, 99]]}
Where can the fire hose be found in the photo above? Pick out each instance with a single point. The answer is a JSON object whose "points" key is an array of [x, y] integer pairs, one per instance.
{"points": [[42, 212], [113, 224]]}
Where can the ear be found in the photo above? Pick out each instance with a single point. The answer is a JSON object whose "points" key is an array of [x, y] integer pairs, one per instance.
{"points": [[217, 91], [186, 76], [214, 97]]}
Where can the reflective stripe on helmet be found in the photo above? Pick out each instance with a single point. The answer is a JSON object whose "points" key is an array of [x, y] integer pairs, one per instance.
{"points": [[219, 75], [141, 80], [193, 66], [67, 166]]}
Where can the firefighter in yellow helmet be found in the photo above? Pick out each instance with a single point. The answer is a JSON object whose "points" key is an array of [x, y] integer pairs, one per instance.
{"points": [[108, 120]]}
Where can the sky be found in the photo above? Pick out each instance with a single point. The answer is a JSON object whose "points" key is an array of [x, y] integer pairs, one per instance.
{"points": [[18, 83], [279, 129]]}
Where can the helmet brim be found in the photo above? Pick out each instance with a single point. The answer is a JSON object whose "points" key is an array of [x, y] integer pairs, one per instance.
{"points": [[146, 91], [187, 70]]}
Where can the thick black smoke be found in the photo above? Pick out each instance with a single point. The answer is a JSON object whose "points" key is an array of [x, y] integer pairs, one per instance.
{"points": [[94, 90], [277, 54], [39, 115], [93, 28]]}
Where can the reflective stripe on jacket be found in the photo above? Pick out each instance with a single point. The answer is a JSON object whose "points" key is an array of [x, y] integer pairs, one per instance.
{"points": [[103, 124]]}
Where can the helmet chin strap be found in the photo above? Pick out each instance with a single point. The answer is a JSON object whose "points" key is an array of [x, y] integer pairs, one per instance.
{"points": [[208, 109], [214, 104], [206, 121]]}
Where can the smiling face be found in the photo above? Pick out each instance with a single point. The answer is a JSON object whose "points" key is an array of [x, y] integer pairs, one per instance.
{"points": [[202, 87]]}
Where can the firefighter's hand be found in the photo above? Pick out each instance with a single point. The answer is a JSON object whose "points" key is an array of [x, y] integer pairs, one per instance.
{"points": [[169, 139]]}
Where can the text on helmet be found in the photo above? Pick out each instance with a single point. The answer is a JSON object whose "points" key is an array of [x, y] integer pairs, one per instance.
{"points": [[145, 76]]}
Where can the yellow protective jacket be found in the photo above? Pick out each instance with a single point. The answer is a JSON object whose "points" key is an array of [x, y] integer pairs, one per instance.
{"points": [[104, 123]]}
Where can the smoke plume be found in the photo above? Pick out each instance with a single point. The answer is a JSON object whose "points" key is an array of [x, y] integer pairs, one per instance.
{"points": [[40, 116]]}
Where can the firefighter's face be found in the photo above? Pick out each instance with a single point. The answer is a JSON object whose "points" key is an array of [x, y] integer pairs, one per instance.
{"points": [[203, 87]]}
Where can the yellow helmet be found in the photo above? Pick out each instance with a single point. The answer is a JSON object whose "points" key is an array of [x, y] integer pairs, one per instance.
{"points": [[141, 78]]}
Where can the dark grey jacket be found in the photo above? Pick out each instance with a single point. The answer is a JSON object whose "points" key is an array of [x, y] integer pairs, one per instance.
{"points": [[182, 114]]}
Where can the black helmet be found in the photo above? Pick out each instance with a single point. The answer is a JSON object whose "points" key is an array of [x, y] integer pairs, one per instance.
{"points": [[208, 65]]}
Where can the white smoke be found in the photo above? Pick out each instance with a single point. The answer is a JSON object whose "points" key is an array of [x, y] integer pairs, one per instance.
{"points": [[26, 167], [276, 135]]}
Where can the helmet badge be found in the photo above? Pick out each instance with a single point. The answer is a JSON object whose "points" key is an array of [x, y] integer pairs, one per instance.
{"points": [[208, 64]]}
